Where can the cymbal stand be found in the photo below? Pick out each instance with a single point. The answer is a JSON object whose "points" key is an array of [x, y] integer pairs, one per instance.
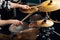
{"points": [[51, 19], [47, 15], [46, 32]]}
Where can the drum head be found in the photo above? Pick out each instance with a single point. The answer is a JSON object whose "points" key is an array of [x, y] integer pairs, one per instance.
{"points": [[14, 28]]}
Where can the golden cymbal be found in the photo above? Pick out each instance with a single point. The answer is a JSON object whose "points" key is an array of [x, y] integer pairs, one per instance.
{"points": [[48, 6], [31, 10], [47, 23]]}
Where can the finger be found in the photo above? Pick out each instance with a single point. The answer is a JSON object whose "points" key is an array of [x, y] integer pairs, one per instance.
{"points": [[21, 22]]}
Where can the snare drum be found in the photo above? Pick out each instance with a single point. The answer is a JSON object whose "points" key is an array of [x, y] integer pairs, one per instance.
{"points": [[16, 29]]}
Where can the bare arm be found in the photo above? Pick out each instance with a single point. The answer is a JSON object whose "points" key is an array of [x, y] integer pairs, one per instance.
{"points": [[16, 5], [5, 22], [8, 5]]}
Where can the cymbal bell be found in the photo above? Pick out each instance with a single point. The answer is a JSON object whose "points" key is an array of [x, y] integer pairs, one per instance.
{"points": [[47, 23], [48, 6]]}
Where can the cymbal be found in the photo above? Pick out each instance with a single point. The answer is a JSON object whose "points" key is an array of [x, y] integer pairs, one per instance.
{"points": [[48, 6], [47, 23], [31, 10]]}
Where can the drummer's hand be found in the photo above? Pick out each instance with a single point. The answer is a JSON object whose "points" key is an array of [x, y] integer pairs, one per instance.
{"points": [[16, 22], [24, 6]]}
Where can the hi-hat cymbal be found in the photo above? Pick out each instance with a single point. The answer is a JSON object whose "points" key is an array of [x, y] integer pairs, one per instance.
{"points": [[47, 23], [48, 6]]}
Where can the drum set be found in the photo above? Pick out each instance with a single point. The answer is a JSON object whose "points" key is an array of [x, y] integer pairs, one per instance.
{"points": [[32, 30]]}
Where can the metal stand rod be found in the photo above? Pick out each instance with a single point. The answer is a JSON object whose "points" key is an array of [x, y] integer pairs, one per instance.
{"points": [[56, 33], [47, 14], [14, 12]]}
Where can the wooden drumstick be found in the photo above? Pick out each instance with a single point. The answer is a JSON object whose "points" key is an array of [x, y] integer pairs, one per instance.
{"points": [[26, 17]]}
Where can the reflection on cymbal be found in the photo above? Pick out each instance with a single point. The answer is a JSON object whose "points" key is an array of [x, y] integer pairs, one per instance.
{"points": [[47, 23], [48, 7]]}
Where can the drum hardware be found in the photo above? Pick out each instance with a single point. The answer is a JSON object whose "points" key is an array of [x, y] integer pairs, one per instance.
{"points": [[13, 27], [49, 10], [56, 33], [42, 23], [45, 7], [53, 27], [49, 7], [51, 30], [56, 21], [23, 31], [50, 2], [46, 32], [32, 9]]}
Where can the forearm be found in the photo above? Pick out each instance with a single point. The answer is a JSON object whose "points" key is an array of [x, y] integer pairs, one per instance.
{"points": [[9, 5], [10, 21], [15, 5], [4, 22]]}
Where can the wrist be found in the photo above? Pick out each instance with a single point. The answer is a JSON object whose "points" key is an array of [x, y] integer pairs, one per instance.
{"points": [[10, 21], [21, 6]]}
